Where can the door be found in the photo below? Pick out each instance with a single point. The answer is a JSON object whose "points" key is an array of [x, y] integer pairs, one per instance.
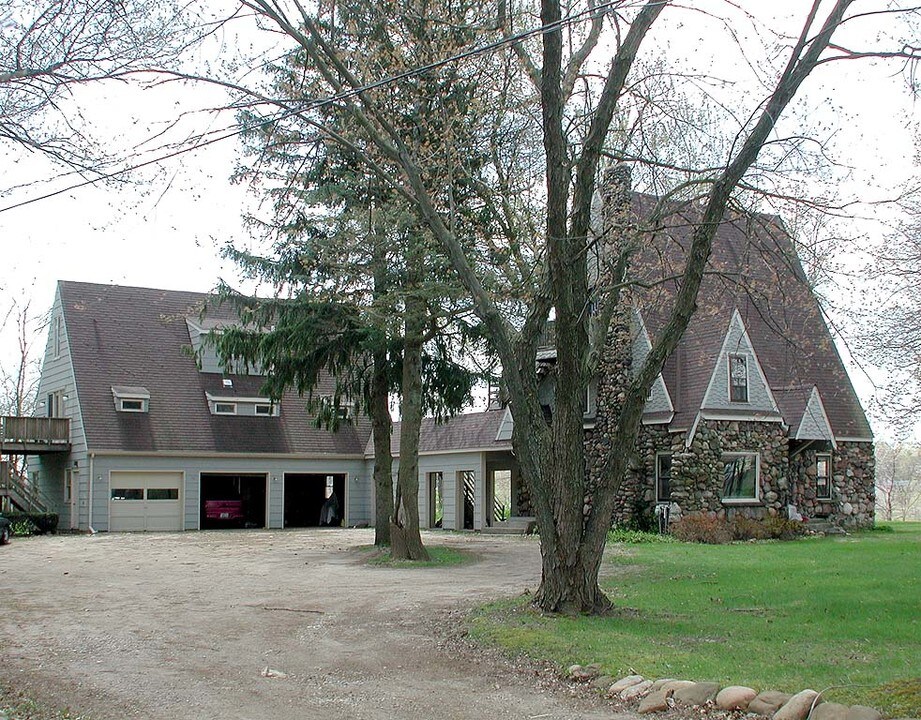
{"points": [[145, 501]]}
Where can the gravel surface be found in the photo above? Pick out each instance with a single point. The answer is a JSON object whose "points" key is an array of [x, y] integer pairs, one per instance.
{"points": [[265, 625]]}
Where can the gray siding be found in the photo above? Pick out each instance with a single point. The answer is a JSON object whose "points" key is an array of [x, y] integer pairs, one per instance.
{"points": [[357, 502], [451, 465], [58, 376], [658, 400], [814, 425], [760, 399]]}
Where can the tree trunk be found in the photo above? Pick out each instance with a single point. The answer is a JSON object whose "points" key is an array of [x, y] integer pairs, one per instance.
{"points": [[383, 460], [406, 540]]}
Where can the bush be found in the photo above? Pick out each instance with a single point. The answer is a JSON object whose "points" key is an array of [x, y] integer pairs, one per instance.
{"points": [[629, 536], [701, 529], [714, 531], [742, 527], [32, 523], [784, 529]]}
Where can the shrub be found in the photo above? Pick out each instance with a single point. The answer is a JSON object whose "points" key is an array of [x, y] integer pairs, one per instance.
{"points": [[742, 527], [783, 529], [629, 536], [701, 529], [32, 523]]}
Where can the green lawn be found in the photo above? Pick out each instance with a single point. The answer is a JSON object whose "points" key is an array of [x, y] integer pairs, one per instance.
{"points": [[817, 612]]}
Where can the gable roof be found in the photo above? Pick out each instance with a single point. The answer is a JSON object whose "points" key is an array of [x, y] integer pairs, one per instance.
{"points": [[753, 270], [135, 337]]}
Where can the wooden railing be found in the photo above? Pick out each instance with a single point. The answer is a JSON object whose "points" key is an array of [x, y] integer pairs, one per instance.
{"points": [[42, 430], [20, 492]]}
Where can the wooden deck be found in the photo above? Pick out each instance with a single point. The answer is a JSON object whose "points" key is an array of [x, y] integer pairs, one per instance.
{"points": [[34, 435]]}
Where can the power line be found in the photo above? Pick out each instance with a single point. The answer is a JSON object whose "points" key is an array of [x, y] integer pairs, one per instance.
{"points": [[233, 131]]}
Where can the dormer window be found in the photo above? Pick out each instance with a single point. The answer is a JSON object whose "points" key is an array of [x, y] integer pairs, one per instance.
{"points": [[131, 399], [738, 378], [241, 406]]}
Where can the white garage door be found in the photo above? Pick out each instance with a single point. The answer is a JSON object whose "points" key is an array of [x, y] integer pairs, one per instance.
{"points": [[149, 501]]}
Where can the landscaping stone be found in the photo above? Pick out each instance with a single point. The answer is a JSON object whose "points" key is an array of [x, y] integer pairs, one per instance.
{"points": [[655, 702], [798, 707], [677, 684], [583, 673], [697, 693], [862, 712], [636, 691], [830, 711], [625, 682], [660, 683], [735, 697], [768, 702]]}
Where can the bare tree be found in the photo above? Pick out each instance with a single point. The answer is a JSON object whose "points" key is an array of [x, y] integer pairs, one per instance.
{"points": [[50, 48], [19, 379], [898, 481]]}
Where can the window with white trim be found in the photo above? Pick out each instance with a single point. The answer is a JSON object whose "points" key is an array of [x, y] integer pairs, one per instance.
{"points": [[738, 378], [663, 477], [266, 409], [740, 477], [132, 405], [225, 408], [823, 476]]}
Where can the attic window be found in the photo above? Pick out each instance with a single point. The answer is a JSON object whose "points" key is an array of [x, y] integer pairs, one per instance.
{"points": [[225, 408], [738, 378], [131, 399], [266, 409]]}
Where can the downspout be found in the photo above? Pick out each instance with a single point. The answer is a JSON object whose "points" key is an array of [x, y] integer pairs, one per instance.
{"points": [[89, 519]]}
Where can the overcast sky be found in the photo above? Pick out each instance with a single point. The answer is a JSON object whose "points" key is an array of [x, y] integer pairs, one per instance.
{"points": [[164, 227]]}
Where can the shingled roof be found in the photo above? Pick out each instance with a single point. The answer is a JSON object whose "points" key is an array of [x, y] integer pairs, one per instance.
{"points": [[754, 268], [470, 431], [138, 337]]}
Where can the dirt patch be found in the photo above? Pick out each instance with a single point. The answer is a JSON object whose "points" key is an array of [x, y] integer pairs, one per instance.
{"points": [[264, 624]]}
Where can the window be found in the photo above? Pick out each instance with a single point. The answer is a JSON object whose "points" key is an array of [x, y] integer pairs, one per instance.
{"points": [[162, 493], [224, 408], [55, 404], [266, 410], [57, 332], [127, 493], [738, 378], [663, 477], [131, 405], [823, 476], [740, 477]]}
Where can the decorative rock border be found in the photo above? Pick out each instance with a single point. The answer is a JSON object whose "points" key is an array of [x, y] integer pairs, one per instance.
{"points": [[655, 696]]}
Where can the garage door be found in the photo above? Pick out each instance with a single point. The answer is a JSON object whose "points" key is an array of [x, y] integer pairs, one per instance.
{"points": [[145, 501]]}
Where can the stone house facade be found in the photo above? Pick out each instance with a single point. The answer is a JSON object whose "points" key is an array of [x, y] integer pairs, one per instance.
{"points": [[754, 413]]}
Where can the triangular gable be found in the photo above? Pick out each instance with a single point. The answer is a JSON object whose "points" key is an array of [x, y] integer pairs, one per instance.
{"points": [[505, 426], [659, 402], [761, 400], [814, 424]]}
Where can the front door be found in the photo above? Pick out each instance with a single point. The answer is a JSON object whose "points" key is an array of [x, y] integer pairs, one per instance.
{"points": [[70, 492]]}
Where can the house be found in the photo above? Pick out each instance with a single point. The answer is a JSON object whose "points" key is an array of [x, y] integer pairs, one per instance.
{"points": [[161, 442], [753, 414], [150, 434]]}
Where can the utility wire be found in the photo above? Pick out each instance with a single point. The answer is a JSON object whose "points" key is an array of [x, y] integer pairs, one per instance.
{"points": [[233, 131]]}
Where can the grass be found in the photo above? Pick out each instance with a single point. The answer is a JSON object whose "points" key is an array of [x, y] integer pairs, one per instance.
{"points": [[817, 612], [440, 557], [17, 706]]}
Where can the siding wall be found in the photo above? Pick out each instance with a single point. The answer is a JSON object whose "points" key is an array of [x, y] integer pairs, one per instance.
{"points": [[450, 465], [357, 502], [759, 394], [58, 376]]}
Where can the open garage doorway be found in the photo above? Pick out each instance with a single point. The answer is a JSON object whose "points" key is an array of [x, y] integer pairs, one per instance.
{"points": [[232, 501], [314, 499]]}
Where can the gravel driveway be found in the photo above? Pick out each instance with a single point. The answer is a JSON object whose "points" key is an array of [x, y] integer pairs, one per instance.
{"points": [[185, 625]]}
